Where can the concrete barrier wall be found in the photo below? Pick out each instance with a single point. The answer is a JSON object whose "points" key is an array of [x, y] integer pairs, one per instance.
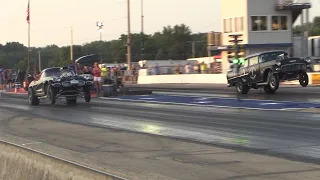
{"points": [[314, 78], [184, 79], [17, 163]]}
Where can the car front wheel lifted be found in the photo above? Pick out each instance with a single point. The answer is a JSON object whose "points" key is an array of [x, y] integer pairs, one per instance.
{"points": [[273, 84], [303, 79]]}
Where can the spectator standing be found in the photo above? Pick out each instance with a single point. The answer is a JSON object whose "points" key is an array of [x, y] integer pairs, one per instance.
{"points": [[177, 69], [196, 68], [104, 73], [203, 68], [187, 68], [156, 69], [97, 76], [8, 77], [2, 79]]}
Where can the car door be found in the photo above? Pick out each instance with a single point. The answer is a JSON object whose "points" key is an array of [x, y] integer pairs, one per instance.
{"points": [[244, 71], [39, 83], [254, 75]]}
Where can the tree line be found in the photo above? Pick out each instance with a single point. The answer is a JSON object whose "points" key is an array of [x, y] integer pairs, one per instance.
{"points": [[173, 42], [314, 27]]}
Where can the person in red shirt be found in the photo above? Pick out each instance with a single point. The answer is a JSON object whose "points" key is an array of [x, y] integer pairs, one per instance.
{"points": [[97, 76]]}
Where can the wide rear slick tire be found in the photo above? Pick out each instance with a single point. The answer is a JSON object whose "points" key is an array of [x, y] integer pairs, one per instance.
{"points": [[303, 79], [33, 99], [51, 93], [242, 88], [273, 84]]}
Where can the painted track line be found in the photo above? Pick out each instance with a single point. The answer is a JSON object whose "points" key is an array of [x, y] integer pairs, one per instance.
{"points": [[199, 105], [217, 97]]}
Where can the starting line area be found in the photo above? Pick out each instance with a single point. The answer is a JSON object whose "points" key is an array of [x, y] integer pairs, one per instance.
{"points": [[218, 102]]}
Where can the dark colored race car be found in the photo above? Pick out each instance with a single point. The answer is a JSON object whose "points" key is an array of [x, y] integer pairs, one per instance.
{"points": [[267, 70], [54, 83]]}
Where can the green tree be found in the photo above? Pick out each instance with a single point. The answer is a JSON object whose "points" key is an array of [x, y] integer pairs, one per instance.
{"points": [[172, 42], [314, 27]]}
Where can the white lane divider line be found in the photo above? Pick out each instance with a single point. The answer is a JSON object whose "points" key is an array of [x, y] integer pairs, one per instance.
{"points": [[264, 104], [201, 99], [25, 144], [202, 102], [146, 98]]}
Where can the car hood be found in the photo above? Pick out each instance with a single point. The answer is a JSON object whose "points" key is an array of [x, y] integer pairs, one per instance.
{"points": [[315, 60], [69, 78], [292, 61]]}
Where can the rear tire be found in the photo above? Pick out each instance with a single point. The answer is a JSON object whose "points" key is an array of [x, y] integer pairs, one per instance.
{"points": [[33, 99], [273, 84], [304, 79], [241, 88], [51, 93]]}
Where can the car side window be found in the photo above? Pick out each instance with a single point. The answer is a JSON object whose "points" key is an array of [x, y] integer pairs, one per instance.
{"points": [[253, 61], [264, 58]]}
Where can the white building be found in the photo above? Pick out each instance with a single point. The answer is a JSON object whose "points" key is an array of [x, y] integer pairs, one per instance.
{"points": [[264, 24], [314, 46]]}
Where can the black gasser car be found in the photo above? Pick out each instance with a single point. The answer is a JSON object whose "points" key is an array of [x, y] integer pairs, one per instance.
{"points": [[54, 83], [266, 70]]}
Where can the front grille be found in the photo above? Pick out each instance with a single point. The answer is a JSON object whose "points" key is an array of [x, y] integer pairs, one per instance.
{"points": [[293, 67]]}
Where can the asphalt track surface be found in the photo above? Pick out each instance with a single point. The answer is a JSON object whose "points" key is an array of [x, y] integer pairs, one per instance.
{"points": [[284, 93], [290, 134]]}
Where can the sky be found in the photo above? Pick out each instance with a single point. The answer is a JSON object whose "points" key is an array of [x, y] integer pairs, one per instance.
{"points": [[51, 20]]}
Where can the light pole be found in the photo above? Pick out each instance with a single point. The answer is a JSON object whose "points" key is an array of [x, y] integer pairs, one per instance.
{"points": [[142, 32], [39, 59], [128, 37], [71, 46], [100, 25]]}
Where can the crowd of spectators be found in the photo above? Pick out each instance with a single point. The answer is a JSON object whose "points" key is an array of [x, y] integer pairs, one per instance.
{"points": [[6, 78], [196, 68]]}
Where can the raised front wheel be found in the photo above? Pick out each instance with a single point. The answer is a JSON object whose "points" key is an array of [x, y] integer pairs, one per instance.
{"points": [[304, 79], [273, 84]]}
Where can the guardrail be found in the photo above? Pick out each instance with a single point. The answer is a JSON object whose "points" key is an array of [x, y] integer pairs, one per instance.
{"points": [[33, 163]]}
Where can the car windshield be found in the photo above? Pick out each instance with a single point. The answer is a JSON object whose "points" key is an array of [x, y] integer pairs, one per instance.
{"points": [[52, 72], [279, 55], [67, 72]]}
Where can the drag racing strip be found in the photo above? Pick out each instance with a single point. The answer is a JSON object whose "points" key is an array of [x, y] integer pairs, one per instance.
{"points": [[218, 102], [276, 132]]}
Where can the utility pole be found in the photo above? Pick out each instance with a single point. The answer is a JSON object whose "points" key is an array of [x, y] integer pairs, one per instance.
{"points": [[302, 34], [142, 32], [129, 38], [71, 46], [39, 59], [193, 49]]}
